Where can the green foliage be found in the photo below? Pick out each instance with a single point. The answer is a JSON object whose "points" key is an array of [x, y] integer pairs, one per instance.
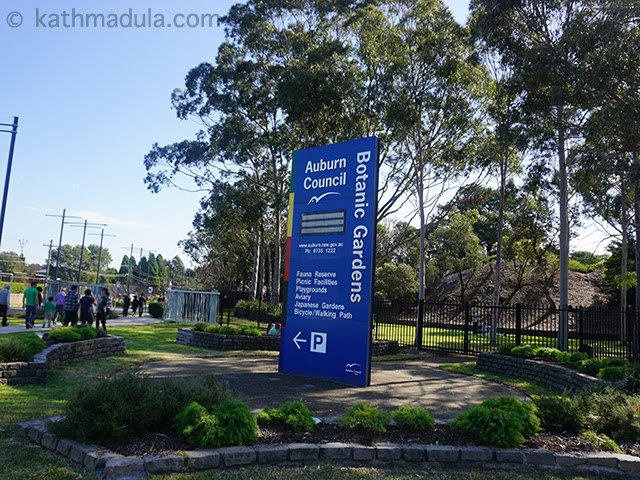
{"points": [[502, 421], [229, 331], [156, 309], [256, 309], [546, 352], [250, 330], [237, 425], [524, 351], [590, 366], [32, 342], [415, 418], [600, 440], [112, 410], [505, 349], [615, 362], [396, 282], [613, 374], [12, 350], [560, 413], [199, 427], [577, 357], [72, 334], [366, 418], [293, 415], [614, 414], [577, 266]]}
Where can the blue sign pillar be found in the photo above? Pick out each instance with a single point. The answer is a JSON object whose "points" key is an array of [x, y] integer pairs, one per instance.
{"points": [[330, 262]]}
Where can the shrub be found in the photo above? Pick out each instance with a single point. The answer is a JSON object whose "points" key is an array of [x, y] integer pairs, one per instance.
{"points": [[502, 421], [64, 335], [156, 309], [12, 350], [366, 418], [85, 331], [212, 328], [524, 351], [560, 413], [249, 330], [200, 327], [229, 331], [614, 414], [615, 362], [613, 374], [256, 309], [417, 419], [505, 349], [113, 410], [546, 352], [291, 415], [590, 366], [32, 342], [577, 357], [199, 427], [600, 440], [237, 425], [630, 383]]}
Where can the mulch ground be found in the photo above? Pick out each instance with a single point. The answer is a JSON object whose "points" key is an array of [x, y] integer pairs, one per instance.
{"points": [[165, 443]]}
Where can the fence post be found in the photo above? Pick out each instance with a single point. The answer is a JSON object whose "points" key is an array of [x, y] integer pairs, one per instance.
{"points": [[419, 323], [518, 323], [467, 322], [632, 319], [580, 326]]}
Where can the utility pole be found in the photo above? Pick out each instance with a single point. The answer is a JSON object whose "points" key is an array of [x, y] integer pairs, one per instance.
{"points": [[102, 235], [7, 178], [84, 233], [64, 215], [46, 278]]}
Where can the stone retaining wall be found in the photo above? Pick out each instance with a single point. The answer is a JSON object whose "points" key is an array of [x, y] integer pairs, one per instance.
{"points": [[556, 376], [37, 371], [218, 341], [112, 466]]}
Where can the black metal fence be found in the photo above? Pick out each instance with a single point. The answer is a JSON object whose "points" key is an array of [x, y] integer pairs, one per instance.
{"points": [[467, 328]]}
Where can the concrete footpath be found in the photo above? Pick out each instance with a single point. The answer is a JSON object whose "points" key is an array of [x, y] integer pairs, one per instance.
{"points": [[416, 382], [120, 321]]}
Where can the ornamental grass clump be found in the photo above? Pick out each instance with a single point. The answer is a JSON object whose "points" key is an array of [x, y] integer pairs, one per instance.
{"points": [[228, 423], [502, 421], [294, 416], [414, 418], [365, 418]]}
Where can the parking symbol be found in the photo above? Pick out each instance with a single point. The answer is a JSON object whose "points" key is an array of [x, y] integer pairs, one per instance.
{"points": [[318, 342]]}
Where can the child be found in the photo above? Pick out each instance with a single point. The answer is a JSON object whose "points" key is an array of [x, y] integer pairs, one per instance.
{"points": [[49, 312]]}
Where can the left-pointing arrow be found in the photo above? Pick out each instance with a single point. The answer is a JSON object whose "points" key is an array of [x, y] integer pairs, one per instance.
{"points": [[296, 340]]}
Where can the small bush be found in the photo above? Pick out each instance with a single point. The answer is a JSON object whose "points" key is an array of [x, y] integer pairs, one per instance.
{"points": [[615, 362], [524, 351], [200, 327], [600, 440], [12, 350], [249, 330], [613, 374], [210, 328], [64, 335], [366, 418], [560, 413], [229, 331], [237, 424], [33, 342], [546, 352], [156, 309], [590, 366], [199, 427], [563, 357], [254, 309], [502, 421], [417, 419], [294, 416], [577, 357], [614, 414], [85, 331], [505, 349]]}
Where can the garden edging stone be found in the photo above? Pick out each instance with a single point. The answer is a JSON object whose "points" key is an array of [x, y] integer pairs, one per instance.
{"points": [[113, 466]]}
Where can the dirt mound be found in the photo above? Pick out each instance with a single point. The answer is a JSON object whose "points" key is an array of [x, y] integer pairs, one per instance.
{"points": [[532, 288]]}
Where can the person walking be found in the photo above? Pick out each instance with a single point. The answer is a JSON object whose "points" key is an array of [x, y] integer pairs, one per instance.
{"points": [[86, 308], [126, 300], [134, 305], [104, 308], [59, 301], [141, 303], [30, 304], [49, 311], [5, 301], [71, 307]]}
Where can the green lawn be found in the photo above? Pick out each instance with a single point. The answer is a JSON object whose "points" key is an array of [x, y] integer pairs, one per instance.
{"points": [[22, 461]]}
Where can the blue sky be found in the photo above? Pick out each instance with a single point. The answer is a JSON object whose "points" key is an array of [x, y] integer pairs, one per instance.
{"points": [[91, 103]]}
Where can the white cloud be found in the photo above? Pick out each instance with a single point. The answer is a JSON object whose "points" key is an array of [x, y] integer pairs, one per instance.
{"points": [[112, 222]]}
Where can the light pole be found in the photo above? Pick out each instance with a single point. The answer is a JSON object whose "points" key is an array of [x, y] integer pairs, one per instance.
{"points": [[14, 133], [84, 233], [102, 235]]}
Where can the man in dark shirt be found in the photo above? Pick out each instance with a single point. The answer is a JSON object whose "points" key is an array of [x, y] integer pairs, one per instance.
{"points": [[71, 307]]}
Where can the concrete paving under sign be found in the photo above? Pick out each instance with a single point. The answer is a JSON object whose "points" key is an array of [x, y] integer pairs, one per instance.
{"points": [[416, 382]]}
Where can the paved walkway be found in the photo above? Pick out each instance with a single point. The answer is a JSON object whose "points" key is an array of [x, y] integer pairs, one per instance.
{"points": [[418, 382], [120, 321]]}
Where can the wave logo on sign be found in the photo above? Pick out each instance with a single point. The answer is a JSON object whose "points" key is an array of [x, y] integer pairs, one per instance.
{"points": [[353, 369], [317, 198]]}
